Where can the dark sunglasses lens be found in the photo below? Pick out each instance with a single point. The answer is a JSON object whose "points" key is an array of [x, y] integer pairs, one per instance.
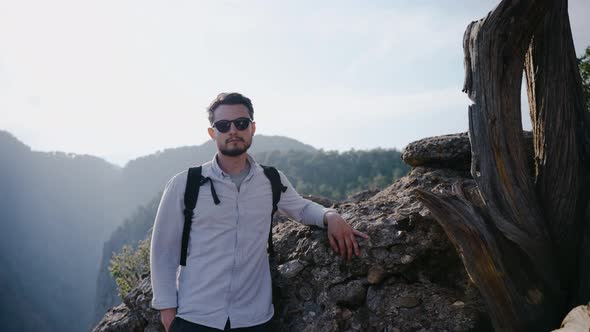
{"points": [[223, 126], [242, 124]]}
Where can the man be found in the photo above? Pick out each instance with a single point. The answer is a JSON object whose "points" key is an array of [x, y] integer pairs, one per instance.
{"points": [[226, 283]]}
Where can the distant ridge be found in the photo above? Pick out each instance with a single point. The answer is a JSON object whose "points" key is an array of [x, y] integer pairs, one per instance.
{"points": [[261, 143], [9, 141]]}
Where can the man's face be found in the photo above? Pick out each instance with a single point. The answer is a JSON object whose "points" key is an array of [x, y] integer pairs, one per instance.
{"points": [[234, 142]]}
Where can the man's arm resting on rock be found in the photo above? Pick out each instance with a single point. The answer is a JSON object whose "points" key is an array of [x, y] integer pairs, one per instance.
{"points": [[342, 236]]}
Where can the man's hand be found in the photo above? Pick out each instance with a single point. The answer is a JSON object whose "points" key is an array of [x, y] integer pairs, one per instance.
{"points": [[166, 316], [342, 236]]}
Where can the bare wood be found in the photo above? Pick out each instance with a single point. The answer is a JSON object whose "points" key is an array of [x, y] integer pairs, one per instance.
{"points": [[556, 102], [470, 232], [497, 45]]}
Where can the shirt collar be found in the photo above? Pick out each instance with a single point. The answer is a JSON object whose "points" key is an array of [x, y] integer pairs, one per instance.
{"points": [[218, 172]]}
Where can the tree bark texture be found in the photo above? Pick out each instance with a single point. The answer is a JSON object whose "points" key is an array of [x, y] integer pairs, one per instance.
{"points": [[556, 101], [520, 248]]}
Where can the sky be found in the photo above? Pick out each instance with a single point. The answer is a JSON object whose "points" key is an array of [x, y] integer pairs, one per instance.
{"points": [[126, 78]]}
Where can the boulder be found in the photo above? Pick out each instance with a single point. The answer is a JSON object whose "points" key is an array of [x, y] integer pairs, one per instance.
{"points": [[449, 151]]}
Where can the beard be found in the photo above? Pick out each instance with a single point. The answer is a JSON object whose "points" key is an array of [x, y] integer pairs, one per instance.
{"points": [[235, 151]]}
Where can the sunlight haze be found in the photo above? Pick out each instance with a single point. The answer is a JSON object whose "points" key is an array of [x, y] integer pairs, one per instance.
{"points": [[122, 79]]}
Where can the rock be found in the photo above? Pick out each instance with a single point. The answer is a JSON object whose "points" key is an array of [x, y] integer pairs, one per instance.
{"points": [[291, 268], [376, 275], [362, 195], [135, 314], [406, 259], [458, 304], [351, 295], [121, 318], [449, 151], [406, 302], [577, 320], [346, 314], [306, 292]]}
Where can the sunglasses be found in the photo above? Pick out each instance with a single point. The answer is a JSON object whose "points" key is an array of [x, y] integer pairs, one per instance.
{"points": [[223, 126]]}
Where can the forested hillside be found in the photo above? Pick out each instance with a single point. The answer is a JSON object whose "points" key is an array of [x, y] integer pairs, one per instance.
{"points": [[336, 175], [55, 208]]}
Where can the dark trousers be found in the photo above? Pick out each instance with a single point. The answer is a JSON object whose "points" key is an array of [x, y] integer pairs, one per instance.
{"points": [[181, 325]]}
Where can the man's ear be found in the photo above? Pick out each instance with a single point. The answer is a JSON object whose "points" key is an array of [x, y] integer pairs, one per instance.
{"points": [[211, 132], [253, 124]]}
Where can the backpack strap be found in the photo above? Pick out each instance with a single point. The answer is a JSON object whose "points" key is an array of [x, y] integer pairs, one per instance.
{"points": [[191, 194], [277, 188]]}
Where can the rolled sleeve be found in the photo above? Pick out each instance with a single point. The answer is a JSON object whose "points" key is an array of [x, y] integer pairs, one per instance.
{"points": [[165, 245], [300, 209]]}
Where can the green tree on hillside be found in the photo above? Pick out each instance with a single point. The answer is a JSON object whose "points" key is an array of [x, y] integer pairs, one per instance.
{"points": [[130, 265]]}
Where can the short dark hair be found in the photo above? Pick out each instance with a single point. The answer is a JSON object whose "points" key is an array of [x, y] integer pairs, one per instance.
{"points": [[230, 98]]}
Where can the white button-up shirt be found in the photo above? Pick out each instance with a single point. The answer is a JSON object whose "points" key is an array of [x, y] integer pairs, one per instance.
{"points": [[227, 271]]}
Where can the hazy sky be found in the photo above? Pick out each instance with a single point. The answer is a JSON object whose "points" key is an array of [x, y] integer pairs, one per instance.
{"points": [[121, 79]]}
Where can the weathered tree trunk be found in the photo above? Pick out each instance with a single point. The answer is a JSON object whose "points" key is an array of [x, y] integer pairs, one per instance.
{"points": [[556, 102], [520, 247]]}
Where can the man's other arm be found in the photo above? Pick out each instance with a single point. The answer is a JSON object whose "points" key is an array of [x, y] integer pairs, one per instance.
{"points": [[166, 317], [165, 250]]}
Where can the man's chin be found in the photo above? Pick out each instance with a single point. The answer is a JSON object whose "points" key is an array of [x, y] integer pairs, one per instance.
{"points": [[233, 152]]}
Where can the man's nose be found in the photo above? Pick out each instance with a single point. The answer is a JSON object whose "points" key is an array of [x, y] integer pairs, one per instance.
{"points": [[232, 127]]}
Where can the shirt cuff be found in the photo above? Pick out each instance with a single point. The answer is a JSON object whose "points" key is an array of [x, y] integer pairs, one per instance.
{"points": [[324, 211], [164, 304]]}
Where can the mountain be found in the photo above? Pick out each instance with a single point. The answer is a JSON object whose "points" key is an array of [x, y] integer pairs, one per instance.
{"points": [[54, 207]]}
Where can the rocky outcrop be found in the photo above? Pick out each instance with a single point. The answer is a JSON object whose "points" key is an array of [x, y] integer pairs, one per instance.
{"points": [[449, 151], [134, 314], [407, 278]]}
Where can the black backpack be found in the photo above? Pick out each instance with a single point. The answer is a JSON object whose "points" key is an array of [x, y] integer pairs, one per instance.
{"points": [[193, 183]]}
